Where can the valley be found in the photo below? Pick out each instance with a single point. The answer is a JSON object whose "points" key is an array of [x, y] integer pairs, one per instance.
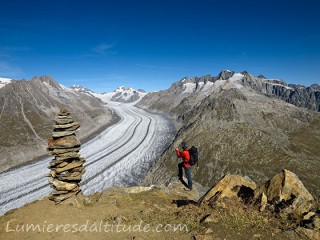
{"points": [[120, 155]]}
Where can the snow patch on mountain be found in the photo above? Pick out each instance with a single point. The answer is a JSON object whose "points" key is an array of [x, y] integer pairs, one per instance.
{"points": [[122, 94], [207, 87], [4, 81], [277, 82]]}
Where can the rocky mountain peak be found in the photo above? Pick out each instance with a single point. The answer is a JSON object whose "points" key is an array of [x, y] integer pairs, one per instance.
{"points": [[47, 80], [315, 87], [81, 89], [261, 76], [225, 75]]}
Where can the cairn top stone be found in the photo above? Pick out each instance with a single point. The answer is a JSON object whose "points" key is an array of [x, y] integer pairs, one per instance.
{"points": [[64, 112]]}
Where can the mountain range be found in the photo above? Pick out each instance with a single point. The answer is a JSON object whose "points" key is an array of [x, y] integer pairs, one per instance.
{"points": [[241, 124], [121, 94], [27, 108]]}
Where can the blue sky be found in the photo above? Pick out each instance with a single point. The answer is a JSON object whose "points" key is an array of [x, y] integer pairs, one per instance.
{"points": [[151, 44]]}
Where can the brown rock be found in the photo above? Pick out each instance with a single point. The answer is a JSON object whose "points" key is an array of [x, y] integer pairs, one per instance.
{"points": [[228, 187], [178, 189], [63, 117], [62, 197], [52, 173], [62, 134], [75, 179], [63, 164], [309, 215], [55, 162], [305, 233], [64, 142], [261, 201], [63, 186], [56, 192], [316, 223], [287, 193], [203, 237], [62, 121], [75, 176], [64, 112], [69, 166], [63, 151], [210, 219], [78, 169], [67, 156], [66, 127]]}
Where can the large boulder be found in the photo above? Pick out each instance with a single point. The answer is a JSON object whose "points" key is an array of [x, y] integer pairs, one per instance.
{"points": [[286, 193], [230, 186]]}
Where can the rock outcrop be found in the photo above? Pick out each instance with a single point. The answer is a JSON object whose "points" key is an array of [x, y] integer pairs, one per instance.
{"points": [[230, 186], [67, 166], [286, 193]]}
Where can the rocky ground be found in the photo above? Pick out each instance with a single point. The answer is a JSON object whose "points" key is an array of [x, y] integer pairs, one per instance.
{"points": [[154, 212]]}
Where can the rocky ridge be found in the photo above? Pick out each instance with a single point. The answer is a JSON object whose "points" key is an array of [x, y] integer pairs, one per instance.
{"points": [[177, 98], [66, 169]]}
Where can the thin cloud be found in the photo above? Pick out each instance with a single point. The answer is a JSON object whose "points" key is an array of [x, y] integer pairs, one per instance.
{"points": [[101, 48], [8, 70]]}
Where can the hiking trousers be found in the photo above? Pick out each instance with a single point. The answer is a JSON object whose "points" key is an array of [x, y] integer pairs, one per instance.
{"points": [[187, 170]]}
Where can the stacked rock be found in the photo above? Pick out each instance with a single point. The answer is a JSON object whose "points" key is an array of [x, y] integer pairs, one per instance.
{"points": [[66, 169]]}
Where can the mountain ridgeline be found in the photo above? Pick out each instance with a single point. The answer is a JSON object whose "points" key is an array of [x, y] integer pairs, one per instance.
{"points": [[27, 108], [242, 125], [121, 94]]}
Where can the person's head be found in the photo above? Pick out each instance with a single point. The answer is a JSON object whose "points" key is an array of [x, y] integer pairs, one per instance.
{"points": [[184, 145]]}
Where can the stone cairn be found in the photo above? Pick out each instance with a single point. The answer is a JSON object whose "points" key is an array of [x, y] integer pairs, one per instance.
{"points": [[66, 169]]}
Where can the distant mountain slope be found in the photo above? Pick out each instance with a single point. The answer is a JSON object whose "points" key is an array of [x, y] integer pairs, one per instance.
{"points": [[26, 112], [241, 124]]}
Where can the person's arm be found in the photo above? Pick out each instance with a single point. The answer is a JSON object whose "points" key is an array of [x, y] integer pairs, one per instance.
{"points": [[178, 153]]}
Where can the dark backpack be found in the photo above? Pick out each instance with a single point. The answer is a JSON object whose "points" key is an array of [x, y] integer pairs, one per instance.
{"points": [[193, 152]]}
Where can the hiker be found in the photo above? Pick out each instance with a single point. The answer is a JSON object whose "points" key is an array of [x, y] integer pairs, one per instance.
{"points": [[184, 164]]}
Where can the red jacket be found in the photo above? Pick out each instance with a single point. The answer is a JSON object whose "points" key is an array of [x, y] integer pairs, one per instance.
{"points": [[185, 157]]}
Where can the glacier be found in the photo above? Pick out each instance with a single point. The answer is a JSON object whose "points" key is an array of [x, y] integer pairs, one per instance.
{"points": [[120, 155]]}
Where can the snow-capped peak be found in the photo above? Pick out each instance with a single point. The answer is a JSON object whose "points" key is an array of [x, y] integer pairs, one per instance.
{"points": [[79, 88], [4, 81], [122, 94], [124, 89]]}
